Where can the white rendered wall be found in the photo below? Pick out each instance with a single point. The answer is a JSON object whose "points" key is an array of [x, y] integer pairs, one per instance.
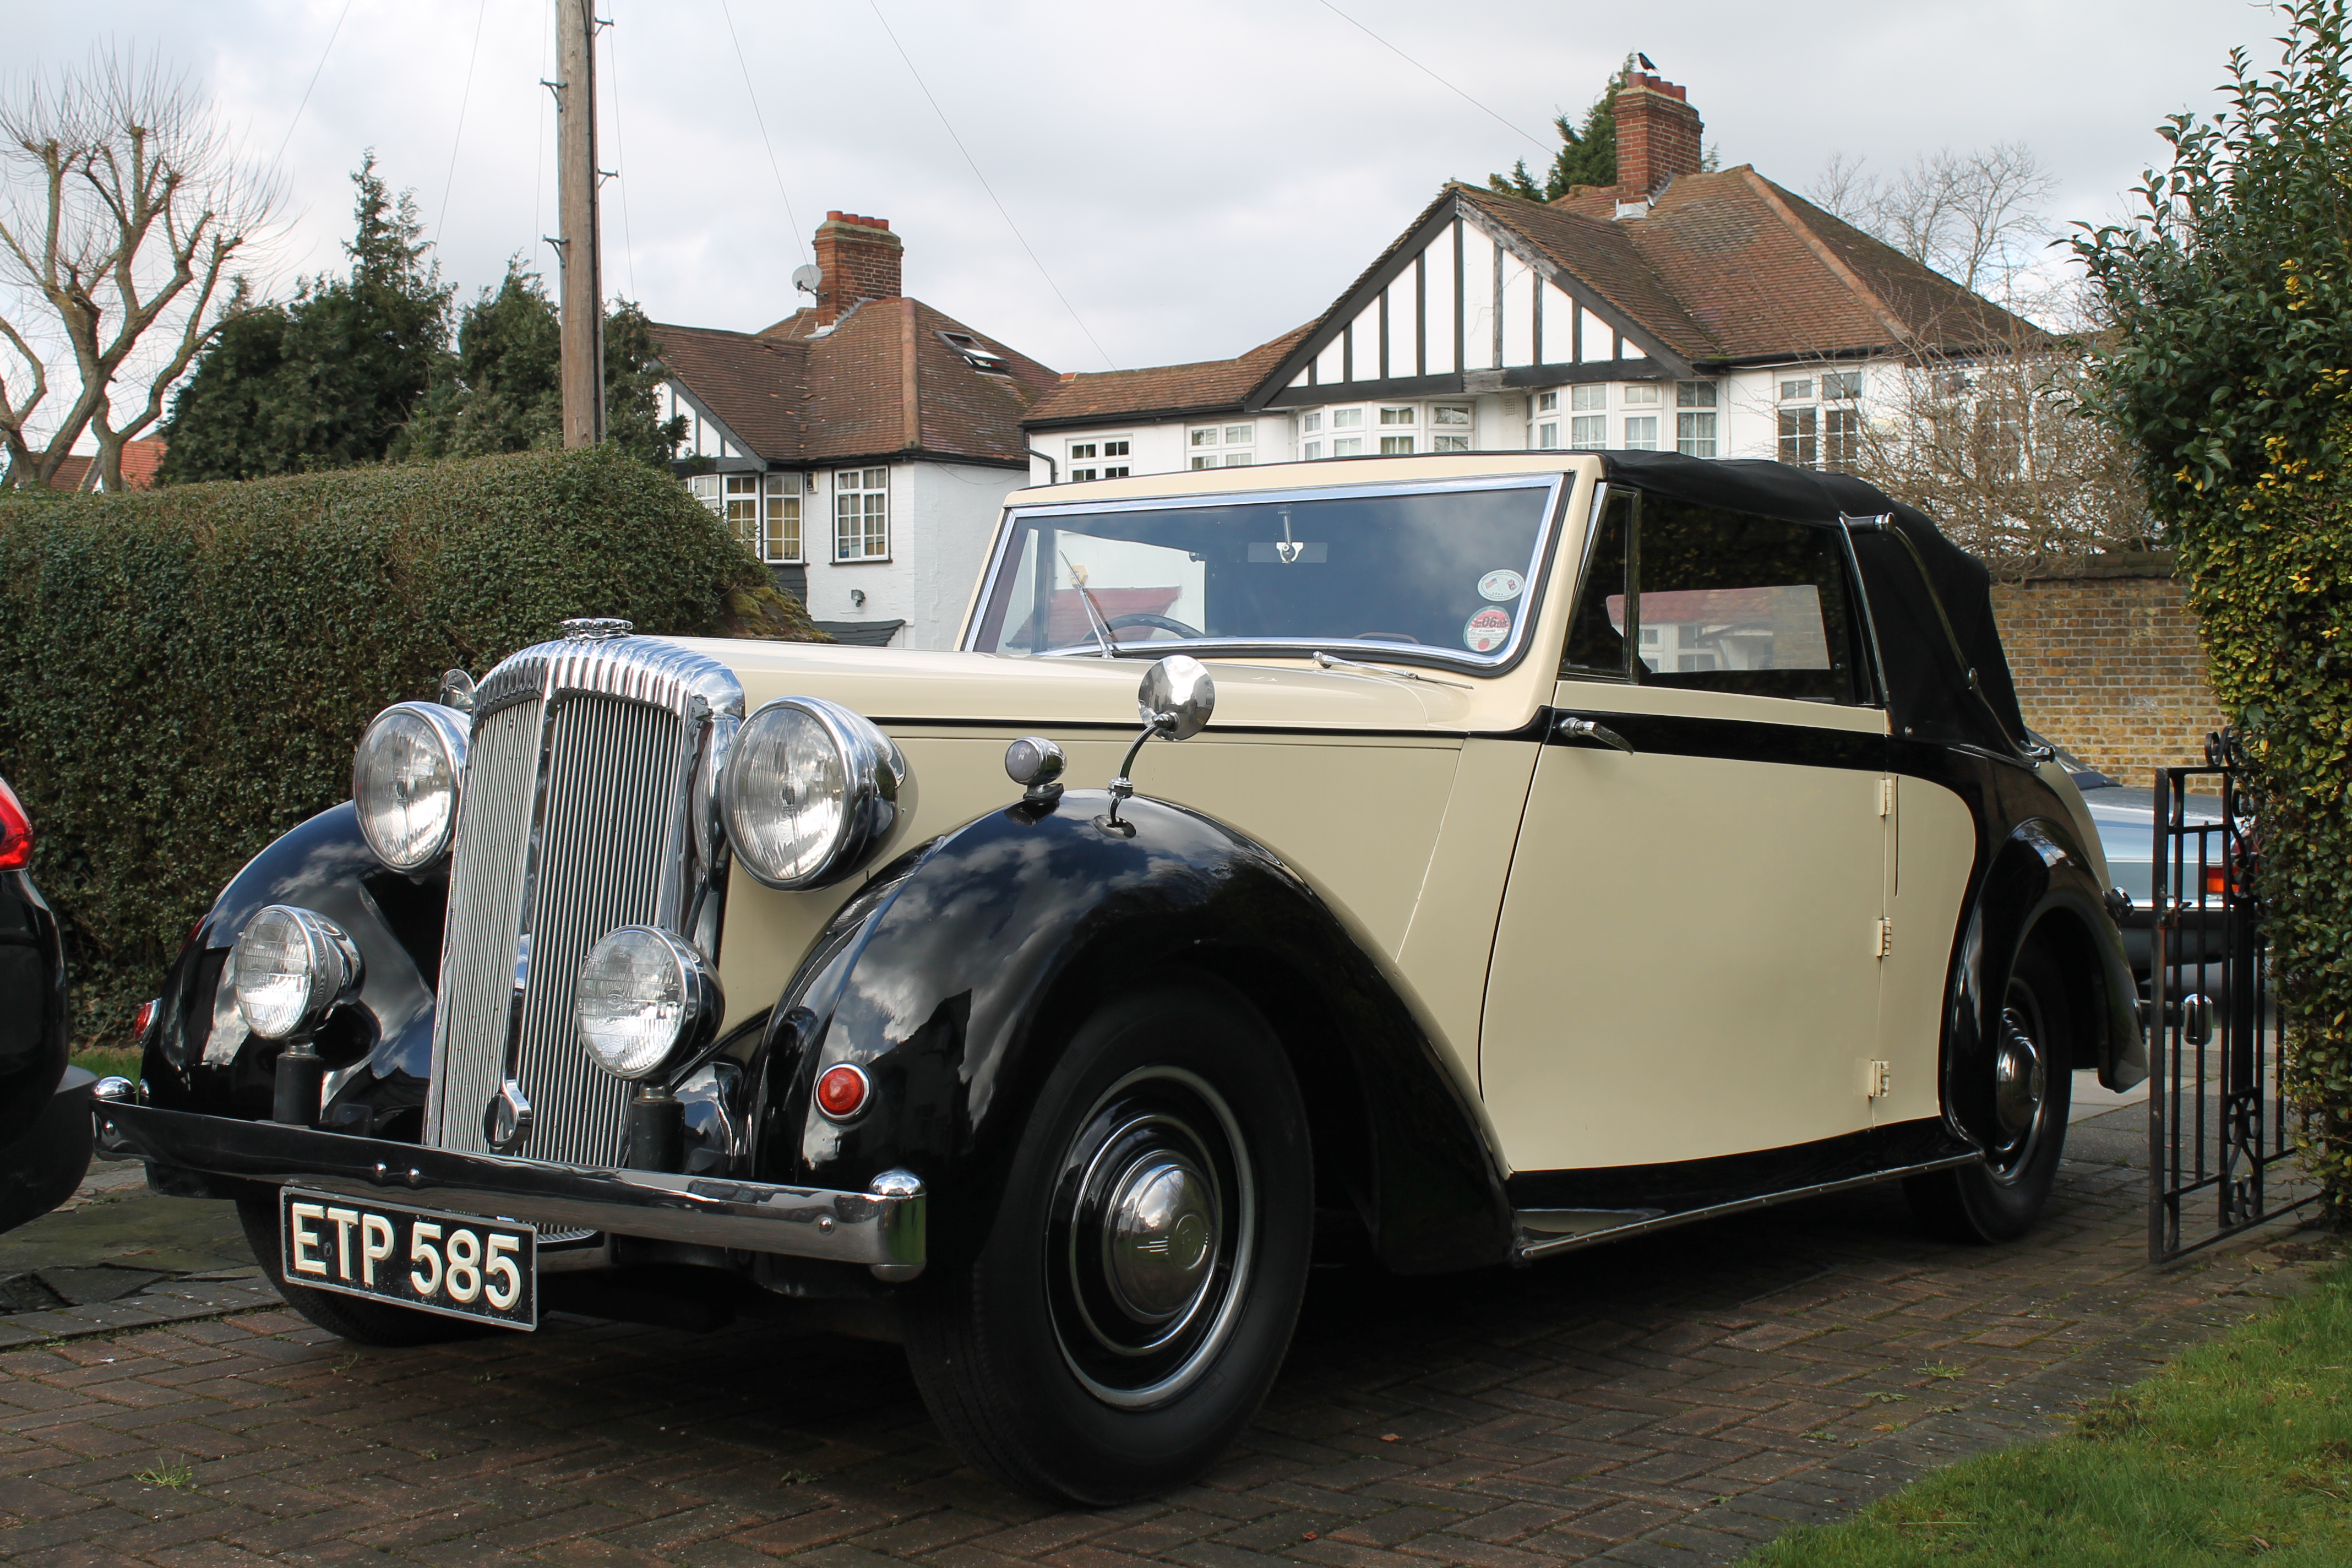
{"points": [[942, 516]]}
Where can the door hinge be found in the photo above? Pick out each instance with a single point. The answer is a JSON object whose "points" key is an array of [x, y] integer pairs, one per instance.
{"points": [[1885, 797], [1883, 937], [1877, 1079]]}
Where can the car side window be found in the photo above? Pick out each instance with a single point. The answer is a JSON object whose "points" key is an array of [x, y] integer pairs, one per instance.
{"points": [[1703, 597]]}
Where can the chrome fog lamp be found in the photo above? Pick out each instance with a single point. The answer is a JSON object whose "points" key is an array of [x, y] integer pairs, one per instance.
{"points": [[292, 967], [645, 999], [404, 780], [810, 792]]}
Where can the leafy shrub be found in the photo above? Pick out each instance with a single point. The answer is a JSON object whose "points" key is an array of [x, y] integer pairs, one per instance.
{"points": [[2230, 368], [184, 671]]}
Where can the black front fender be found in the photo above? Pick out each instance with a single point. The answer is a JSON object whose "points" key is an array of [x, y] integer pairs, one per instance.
{"points": [[955, 978], [379, 1046]]}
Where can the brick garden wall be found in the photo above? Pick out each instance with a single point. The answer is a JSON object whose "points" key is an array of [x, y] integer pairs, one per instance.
{"points": [[2108, 663]]}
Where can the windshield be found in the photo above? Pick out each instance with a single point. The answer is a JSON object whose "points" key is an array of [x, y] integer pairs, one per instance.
{"points": [[1439, 571]]}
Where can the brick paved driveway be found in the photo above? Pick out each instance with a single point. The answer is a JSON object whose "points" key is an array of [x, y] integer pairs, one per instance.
{"points": [[1670, 1400]]}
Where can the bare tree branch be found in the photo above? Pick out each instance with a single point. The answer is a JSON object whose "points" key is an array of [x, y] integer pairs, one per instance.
{"points": [[123, 214]]}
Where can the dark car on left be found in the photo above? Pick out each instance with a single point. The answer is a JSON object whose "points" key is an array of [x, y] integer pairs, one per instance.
{"points": [[45, 1129]]}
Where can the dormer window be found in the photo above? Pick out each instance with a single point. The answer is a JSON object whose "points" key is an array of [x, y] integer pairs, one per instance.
{"points": [[977, 354]]}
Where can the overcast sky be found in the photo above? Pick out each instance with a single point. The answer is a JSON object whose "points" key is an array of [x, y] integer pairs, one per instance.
{"points": [[1195, 178]]}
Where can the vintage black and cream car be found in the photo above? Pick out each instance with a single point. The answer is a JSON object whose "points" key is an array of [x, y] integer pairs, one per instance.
{"points": [[1560, 847]]}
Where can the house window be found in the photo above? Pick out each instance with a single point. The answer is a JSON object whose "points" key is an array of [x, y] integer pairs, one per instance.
{"points": [[1797, 390], [1102, 459], [705, 489], [1346, 420], [1840, 384], [977, 354], [1589, 399], [1642, 395], [1841, 439], [861, 514], [1397, 415], [1801, 442], [1311, 423], [780, 521], [1452, 427], [1223, 445], [740, 496], [1547, 435], [1396, 445], [1547, 402], [1642, 432], [1588, 423], [1694, 433]]}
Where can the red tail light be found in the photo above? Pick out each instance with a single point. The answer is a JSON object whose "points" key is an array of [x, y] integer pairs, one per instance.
{"points": [[2217, 880], [16, 831], [145, 1020], [841, 1091]]}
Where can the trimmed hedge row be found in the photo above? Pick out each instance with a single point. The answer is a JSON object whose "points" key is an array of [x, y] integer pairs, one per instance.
{"points": [[184, 672]]}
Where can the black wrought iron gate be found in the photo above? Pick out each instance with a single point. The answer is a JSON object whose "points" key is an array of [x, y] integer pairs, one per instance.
{"points": [[2220, 1148]]}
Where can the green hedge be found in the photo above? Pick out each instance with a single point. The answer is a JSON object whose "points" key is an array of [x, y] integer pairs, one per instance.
{"points": [[184, 672]]}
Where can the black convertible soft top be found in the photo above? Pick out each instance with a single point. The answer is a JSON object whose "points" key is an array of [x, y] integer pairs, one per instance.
{"points": [[1928, 688]]}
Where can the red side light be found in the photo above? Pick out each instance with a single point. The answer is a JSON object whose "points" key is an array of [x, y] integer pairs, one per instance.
{"points": [[841, 1091], [145, 1021], [16, 831], [2217, 880]]}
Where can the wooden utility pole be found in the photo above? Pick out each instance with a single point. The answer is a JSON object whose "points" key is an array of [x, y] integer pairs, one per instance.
{"points": [[581, 245]]}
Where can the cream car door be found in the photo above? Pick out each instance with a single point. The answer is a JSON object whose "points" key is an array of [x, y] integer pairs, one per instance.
{"points": [[1688, 955]]}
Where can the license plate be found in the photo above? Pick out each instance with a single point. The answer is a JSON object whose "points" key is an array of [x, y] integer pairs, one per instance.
{"points": [[487, 1269]]}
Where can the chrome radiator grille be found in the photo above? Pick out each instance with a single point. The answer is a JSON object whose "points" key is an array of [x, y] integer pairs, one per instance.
{"points": [[585, 806]]}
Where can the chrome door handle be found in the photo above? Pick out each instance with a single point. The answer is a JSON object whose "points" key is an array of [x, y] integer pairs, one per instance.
{"points": [[1574, 729]]}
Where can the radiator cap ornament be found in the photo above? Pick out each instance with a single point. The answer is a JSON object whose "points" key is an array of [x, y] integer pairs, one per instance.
{"points": [[594, 629]]}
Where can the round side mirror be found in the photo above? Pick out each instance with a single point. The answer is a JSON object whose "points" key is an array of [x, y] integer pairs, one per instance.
{"points": [[1177, 696]]}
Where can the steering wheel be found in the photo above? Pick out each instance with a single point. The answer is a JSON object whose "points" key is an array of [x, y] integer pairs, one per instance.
{"points": [[1145, 618]]}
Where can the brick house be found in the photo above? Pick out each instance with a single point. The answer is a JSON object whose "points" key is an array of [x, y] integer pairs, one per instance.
{"points": [[863, 446], [1715, 313]]}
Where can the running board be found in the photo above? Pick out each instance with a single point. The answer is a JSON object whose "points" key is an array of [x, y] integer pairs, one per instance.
{"points": [[1548, 1233]]}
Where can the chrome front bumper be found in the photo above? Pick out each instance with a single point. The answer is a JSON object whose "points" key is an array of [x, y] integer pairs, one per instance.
{"points": [[882, 1229]]}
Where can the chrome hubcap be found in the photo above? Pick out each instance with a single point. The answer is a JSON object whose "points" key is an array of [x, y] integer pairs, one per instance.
{"points": [[1161, 1233], [2019, 1079], [1150, 1238]]}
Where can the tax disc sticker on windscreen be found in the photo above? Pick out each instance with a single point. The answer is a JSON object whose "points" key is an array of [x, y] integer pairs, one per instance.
{"points": [[1501, 584], [1487, 630]]}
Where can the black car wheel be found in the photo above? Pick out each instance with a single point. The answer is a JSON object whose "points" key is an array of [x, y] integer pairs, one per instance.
{"points": [[1137, 1292], [2032, 1066], [362, 1323]]}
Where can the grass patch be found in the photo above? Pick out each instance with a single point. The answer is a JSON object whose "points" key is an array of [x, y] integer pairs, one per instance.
{"points": [[178, 1477], [108, 1063], [2239, 1449]]}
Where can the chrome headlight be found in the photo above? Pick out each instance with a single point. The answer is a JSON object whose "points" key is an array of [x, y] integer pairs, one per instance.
{"points": [[292, 967], [810, 792], [644, 1000], [404, 783]]}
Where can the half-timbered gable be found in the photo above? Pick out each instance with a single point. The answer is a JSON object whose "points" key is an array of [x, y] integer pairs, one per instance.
{"points": [[1709, 313]]}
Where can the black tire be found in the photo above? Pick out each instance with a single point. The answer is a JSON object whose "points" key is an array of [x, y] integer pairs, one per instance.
{"points": [[362, 1323], [2000, 1199], [1086, 1373]]}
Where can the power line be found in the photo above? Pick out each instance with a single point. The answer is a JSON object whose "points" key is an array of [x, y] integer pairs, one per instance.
{"points": [[460, 139], [773, 167], [984, 185], [1433, 76], [314, 80], [621, 164]]}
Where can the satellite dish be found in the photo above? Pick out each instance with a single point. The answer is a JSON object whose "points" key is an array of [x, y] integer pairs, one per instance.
{"points": [[806, 278]]}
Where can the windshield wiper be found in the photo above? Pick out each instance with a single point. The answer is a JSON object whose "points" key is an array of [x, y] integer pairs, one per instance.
{"points": [[1095, 618], [1333, 661]]}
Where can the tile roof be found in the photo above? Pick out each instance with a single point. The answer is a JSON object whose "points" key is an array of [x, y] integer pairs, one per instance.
{"points": [[1169, 389], [1763, 272], [882, 383], [141, 460], [1724, 267]]}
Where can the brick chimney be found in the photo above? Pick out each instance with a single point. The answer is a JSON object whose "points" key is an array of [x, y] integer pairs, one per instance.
{"points": [[1657, 136], [860, 257]]}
